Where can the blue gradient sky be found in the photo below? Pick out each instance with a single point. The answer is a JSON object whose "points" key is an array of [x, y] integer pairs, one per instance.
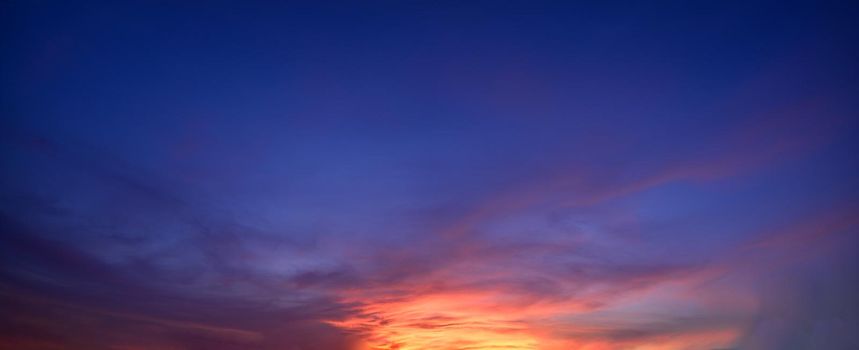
{"points": [[429, 175]]}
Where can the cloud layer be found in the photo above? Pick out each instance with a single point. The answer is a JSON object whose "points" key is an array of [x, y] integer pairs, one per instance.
{"points": [[455, 178]]}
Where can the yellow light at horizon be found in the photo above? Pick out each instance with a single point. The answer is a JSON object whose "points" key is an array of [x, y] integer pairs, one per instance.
{"points": [[443, 322]]}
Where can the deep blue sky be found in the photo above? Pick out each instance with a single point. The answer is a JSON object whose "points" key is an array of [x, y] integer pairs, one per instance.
{"points": [[544, 175]]}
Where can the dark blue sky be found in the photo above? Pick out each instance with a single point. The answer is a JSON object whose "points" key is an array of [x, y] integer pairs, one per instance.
{"points": [[428, 175]]}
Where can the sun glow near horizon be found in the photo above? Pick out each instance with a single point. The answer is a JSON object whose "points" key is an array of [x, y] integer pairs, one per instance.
{"points": [[486, 320]]}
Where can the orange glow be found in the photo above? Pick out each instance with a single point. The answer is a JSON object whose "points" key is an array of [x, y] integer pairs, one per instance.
{"points": [[481, 320], [452, 321]]}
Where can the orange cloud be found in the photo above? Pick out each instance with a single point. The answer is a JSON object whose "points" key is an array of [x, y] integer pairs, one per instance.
{"points": [[480, 320], [488, 300]]}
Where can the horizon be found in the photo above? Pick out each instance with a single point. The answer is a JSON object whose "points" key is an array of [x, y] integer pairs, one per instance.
{"points": [[414, 175]]}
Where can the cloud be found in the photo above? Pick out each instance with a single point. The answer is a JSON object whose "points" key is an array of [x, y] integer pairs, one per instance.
{"points": [[522, 264], [52, 291], [129, 277]]}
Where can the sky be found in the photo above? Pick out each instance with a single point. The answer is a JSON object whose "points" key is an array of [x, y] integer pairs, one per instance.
{"points": [[429, 175]]}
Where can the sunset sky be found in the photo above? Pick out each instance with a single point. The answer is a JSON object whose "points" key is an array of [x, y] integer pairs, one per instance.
{"points": [[429, 175]]}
